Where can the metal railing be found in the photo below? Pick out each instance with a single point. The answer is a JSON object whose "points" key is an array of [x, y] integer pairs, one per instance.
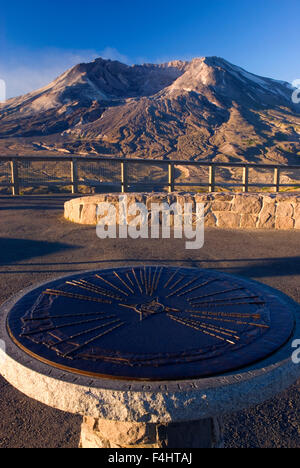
{"points": [[124, 175]]}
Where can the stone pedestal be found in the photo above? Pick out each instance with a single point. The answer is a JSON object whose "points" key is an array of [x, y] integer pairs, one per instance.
{"points": [[101, 433], [121, 413]]}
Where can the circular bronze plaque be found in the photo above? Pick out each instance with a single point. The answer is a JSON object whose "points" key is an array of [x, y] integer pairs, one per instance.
{"points": [[151, 323]]}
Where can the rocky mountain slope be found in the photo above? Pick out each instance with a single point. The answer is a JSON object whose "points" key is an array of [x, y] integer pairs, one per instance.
{"points": [[206, 109]]}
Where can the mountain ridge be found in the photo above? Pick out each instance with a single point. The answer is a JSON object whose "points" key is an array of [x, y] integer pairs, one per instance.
{"points": [[206, 108]]}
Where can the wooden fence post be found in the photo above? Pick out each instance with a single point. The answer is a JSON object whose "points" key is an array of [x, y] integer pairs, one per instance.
{"points": [[245, 179], [74, 176], [171, 177], [212, 178], [15, 178], [124, 180], [277, 179]]}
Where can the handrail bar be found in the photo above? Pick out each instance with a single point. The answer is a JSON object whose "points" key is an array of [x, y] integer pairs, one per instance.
{"points": [[16, 179], [147, 161]]}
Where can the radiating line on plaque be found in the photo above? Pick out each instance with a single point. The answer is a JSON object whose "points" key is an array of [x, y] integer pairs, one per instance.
{"points": [[123, 282], [177, 282], [133, 307], [238, 298], [53, 292], [65, 325], [158, 278], [106, 291], [85, 332], [153, 281], [217, 293], [216, 328], [171, 278], [204, 330], [129, 279], [149, 281], [145, 277], [86, 314], [201, 329], [198, 286], [254, 316], [93, 286], [141, 277], [182, 287], [226, 302], [93, 339], [89, 287], [135, 277], [112, 285], [238, 322], [170, 309], [147, 284]]}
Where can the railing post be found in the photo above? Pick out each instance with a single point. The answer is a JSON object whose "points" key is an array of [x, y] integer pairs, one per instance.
{"points": [[74, 176], [277, 179], [15, 177], [124, 182], [245, 179], [212, 178], [171, 177]]}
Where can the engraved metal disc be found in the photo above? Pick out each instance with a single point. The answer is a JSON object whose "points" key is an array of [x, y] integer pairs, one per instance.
{"points": [[151, 323]]}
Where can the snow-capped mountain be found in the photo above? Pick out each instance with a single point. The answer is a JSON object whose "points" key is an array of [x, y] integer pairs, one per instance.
{"points": [[203, 109]]}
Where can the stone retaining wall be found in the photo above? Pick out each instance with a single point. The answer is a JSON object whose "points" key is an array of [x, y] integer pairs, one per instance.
{"points": [[223, 210]]}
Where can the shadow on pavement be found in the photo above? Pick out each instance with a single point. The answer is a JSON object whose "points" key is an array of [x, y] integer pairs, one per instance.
{"points": [[32, 203], [257, 267], [252, 268], [16, 250]]}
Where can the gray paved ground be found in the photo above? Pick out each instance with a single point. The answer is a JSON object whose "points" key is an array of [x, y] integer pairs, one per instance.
{"points": [[36, 243]]}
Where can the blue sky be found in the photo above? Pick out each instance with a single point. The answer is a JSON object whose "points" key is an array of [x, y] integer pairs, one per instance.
{"points": [[41, 39]]}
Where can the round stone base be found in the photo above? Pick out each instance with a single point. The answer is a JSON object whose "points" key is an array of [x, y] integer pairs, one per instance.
{"points": [[101, 433]]}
